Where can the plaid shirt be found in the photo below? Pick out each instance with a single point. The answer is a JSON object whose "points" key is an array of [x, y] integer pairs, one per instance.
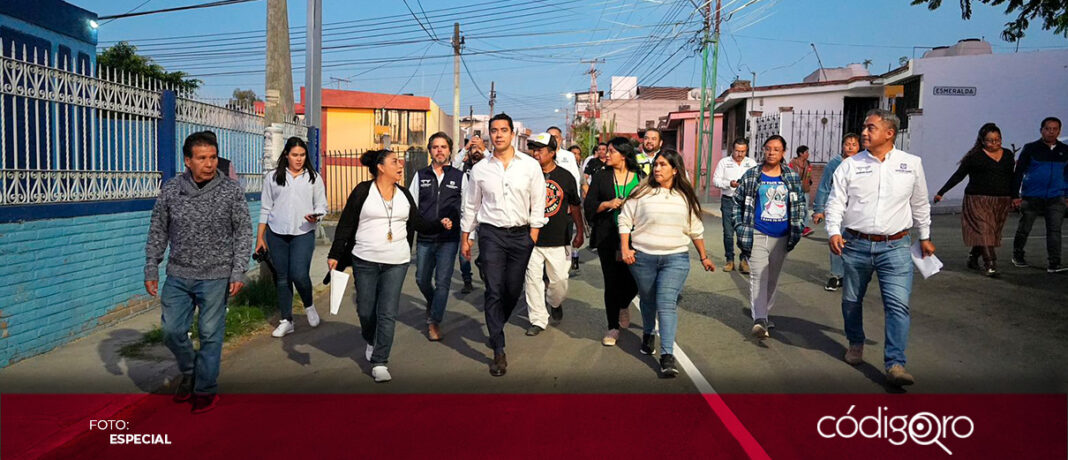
{"points": [[745, 200]]}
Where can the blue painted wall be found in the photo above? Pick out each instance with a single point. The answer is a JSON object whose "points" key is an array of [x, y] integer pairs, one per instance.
{"points": [[60, 278]]}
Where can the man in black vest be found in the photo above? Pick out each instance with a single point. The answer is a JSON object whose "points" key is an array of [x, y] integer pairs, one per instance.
{"points": [[439, 196]]}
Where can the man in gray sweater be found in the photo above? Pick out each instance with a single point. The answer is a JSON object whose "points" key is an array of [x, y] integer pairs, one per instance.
{"points": [[204, 219]]}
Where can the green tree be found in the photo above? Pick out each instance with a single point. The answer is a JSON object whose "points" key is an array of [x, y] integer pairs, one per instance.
{"points": [[243, 98], [123, 57], [1054, 14]]}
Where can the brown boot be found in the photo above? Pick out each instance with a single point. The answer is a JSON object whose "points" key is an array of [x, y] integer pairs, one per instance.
{"points": [[855, 354], [897, 376], [744, 267], [729, 267], [433, 333]]}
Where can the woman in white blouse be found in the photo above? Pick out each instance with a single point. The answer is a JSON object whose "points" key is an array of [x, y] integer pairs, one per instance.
{"points": [[292, 202], [375, 235], [656, 226]]}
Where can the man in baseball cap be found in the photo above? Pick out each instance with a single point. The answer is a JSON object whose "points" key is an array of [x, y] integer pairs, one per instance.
{"points": [[550, 257]]}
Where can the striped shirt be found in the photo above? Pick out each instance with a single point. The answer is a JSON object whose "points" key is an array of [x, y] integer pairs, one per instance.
{"points": [[660, 222]]}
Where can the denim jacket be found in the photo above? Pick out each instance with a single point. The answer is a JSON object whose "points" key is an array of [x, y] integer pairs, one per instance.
{"points": [[745, 200], [826, 183]]}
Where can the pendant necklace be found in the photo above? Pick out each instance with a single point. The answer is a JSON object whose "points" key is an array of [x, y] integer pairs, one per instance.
{"points": [[389, 213]]}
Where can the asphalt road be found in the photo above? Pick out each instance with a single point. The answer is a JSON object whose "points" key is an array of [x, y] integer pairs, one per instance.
{"points": [[969, 334]]}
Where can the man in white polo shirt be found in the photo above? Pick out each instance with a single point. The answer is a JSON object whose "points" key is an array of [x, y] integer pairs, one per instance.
{"points": [[878, 196], [506, 201], [728, 171]]}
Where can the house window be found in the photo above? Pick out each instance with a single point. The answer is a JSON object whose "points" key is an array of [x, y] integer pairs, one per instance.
{"points": [[910, 100], [406, 127]]}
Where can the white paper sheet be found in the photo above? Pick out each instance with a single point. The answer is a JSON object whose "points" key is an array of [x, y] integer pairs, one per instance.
{"points": [[339, 281], [929, 265]]}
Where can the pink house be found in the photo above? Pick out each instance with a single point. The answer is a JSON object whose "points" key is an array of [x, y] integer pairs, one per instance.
{"points": [[682, 127]]}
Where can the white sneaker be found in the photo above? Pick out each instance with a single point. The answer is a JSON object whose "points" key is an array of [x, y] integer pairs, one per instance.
{"points": [[284, 327], [313, 316], [367, 354], [381, 374]]}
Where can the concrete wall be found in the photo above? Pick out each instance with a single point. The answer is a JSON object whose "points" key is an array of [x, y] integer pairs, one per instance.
{"points": [[1016, 91], [631, 114], [349, 128], [60, 278]]}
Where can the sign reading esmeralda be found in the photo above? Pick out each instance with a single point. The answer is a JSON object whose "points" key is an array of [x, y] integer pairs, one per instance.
{"points": [[954, 91]]}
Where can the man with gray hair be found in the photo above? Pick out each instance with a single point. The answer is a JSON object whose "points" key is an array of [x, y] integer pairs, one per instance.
{"points": [[878, 196], [204, 218]]}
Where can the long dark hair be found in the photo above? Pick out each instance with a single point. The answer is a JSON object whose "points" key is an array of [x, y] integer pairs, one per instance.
{"points": [[977, 149], [624, 147], [680, 184], [283, 161]]}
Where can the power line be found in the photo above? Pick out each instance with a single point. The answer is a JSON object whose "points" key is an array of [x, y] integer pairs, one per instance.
{"points": [[420, 22], [179, 8], [128, 11]]}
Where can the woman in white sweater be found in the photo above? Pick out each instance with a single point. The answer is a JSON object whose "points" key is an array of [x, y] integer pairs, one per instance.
{"points": [[656, 226]]}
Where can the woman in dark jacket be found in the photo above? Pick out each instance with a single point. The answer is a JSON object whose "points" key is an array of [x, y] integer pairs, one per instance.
{"points": [[988, 197], [608, 189], [375, 235]]}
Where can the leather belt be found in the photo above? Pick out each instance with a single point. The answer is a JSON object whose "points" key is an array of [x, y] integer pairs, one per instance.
{"points": [[516, 229], [878, 238]]}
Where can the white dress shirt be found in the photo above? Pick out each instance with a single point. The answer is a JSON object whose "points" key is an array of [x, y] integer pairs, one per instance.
{"points": [[501, 197], [372, 242], [565, 159], [283, 208], [728, 170], [879, 198]]}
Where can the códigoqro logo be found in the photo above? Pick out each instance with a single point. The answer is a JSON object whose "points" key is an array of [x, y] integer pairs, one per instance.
{"points": [[923, 428]]}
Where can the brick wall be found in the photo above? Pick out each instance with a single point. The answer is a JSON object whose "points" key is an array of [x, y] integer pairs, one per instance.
{"points": [[61, 278]]}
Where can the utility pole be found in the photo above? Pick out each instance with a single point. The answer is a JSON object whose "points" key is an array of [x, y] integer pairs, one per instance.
{"points": [[823, 73], [471, 121], [493, 97], [278, 97], [339, 80], [705, 125], [592, 101], [457, 42], [313, 63]]}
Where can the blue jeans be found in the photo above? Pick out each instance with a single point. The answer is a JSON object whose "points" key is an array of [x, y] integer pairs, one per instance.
{"points": [[433, 274], [892, 262], [179, 298], [660, 280], [726, 208], [291, 256], [465, 268], [837, 266], [378, 288]]}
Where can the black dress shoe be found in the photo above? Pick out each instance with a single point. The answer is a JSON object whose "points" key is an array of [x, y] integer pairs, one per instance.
{"points": [[204, 403], [499, 365], [534, 330], [185, 389]]}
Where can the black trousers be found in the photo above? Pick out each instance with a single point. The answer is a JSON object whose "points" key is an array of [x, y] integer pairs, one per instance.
{"points": [[619, 285], [503, 255]]}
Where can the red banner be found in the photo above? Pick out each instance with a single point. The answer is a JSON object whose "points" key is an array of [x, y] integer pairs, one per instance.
{"points": [[537, 425]]}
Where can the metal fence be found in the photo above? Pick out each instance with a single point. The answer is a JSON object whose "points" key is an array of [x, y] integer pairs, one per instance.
{"points": [[342, 171], [71, 133], [67, 136], [821, 131]]}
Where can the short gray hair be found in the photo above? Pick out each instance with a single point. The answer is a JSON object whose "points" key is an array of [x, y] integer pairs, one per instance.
{"points": [[887, 117]]}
